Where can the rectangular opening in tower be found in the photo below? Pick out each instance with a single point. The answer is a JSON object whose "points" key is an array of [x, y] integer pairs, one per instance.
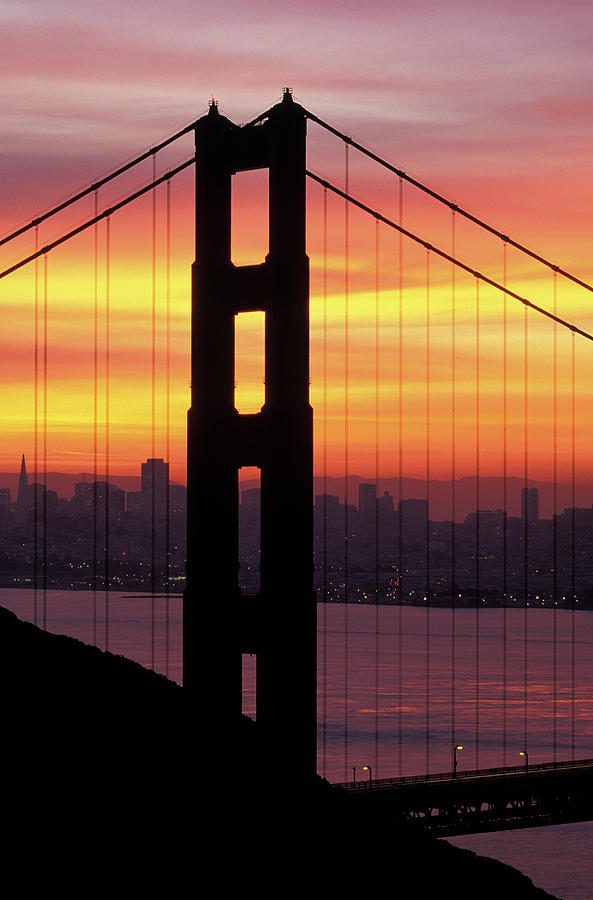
{"points": [[249, 217], [249, 528], [250, 331]]}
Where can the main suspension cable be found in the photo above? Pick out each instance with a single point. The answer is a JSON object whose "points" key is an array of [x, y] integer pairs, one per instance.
{"points": [[453, 206], [103, 215], [447, 256], [34, 223]]}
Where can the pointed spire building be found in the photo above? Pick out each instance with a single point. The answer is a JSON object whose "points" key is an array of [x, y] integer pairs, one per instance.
{"points": [[23, 497]]}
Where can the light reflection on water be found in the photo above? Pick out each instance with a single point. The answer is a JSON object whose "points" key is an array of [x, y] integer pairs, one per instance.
{"points": [[371, 688], [436, 710], [558, 858]]}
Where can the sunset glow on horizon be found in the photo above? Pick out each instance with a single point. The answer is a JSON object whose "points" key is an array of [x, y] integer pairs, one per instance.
{"points": [[518, 159]]}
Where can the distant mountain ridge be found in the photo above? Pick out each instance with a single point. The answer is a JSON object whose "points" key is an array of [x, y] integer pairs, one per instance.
{"points": [[491, 491], [491, 495]]}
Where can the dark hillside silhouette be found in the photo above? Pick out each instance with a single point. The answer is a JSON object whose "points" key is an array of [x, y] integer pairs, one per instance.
{"points": [[101, 797]]}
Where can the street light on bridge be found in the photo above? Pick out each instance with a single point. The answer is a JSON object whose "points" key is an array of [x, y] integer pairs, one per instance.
{"points": [[526, 755], [370, 771], [456, 747]]}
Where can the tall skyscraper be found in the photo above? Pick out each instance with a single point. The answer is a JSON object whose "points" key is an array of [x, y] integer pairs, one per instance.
{"points": [[154, 484]]}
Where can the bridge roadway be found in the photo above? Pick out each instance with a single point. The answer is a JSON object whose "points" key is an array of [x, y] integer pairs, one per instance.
{"points": [[482, 800]]}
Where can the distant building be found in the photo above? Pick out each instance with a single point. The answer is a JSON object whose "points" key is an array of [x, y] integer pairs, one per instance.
{"points": [[5, 512], [154, 487], [367, 502], [90, 498], [328, 503], [530, 505], [386, 508], [44, 501], [413, 512], [134, 502]]}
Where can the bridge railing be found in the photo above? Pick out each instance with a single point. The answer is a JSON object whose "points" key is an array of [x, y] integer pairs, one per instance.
{"points": [[371, 784]]}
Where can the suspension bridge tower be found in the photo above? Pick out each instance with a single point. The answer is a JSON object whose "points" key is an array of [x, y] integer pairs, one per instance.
{"points": [[278, 625]]}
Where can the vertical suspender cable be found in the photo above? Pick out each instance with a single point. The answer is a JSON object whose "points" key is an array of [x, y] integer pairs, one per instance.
{"points": [[453, 637], [526, 513], [505, 500], [477, 546], [555, 539], [153, 426], [107, 415], [44, 514], [573, 544], [36, 441], [346, 456], [168, 433], [324, 526], [377, 402], [95, 411], [428, 571], [400, 470]]}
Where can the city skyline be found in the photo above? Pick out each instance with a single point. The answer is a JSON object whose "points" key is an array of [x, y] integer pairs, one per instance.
{"points": [[559, 495], [376, 550]]}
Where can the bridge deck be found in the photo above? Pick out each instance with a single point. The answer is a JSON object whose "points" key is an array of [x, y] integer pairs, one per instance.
{"points": [[483, 800]]}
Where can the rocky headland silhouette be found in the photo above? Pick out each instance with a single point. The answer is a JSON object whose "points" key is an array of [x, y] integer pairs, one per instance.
{"points": [[111, 788]]}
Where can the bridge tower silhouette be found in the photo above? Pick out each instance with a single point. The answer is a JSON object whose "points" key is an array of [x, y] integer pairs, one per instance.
{"points": [[492, 367], [278, 625]]}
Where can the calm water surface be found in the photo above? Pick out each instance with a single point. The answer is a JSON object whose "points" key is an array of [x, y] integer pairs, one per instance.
{"points": [[397, 687]]}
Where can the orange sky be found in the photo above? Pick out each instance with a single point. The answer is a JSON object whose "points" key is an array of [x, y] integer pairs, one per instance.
{"points": [[515, 151]]}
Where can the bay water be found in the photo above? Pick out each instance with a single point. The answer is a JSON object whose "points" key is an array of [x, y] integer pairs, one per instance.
{"points": [[398, 688]]}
